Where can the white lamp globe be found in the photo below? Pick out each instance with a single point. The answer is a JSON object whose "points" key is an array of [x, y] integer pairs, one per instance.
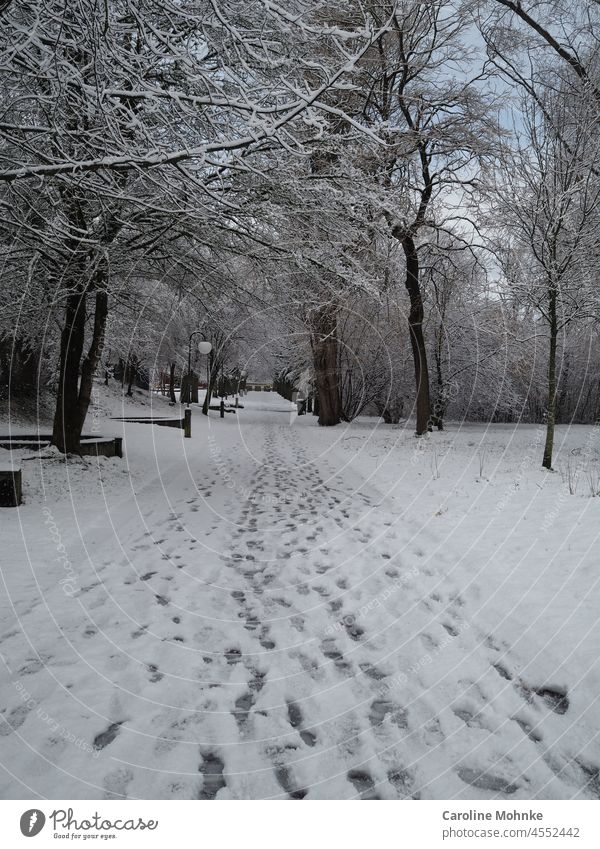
{"points": [[205, 347]]}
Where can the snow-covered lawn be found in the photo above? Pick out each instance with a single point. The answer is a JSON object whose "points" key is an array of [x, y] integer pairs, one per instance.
{"points": [[274, 609]]}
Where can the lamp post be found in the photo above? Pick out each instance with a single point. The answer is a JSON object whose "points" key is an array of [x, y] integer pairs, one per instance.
{"points": [[204, 347]]}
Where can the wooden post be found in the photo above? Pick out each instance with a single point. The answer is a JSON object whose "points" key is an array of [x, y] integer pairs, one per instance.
{"points": [[187, 424], [222, 408], [10, 487]]}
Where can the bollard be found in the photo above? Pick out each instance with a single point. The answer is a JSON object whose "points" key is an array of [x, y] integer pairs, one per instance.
{"points": [[187, 424], [222, 408]]}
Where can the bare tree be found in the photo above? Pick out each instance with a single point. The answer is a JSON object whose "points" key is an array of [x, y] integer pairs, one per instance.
{"points": [[549, 198]]}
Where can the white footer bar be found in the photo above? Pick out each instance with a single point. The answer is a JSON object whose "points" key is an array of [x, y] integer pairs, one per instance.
{"points": [[301, 825]]}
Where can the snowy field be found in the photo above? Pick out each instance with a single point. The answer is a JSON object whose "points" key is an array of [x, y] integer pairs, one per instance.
{"points": [[272, 609]]}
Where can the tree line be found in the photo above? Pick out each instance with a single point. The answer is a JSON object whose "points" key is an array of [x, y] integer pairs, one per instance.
{"points": [[401, 196]]}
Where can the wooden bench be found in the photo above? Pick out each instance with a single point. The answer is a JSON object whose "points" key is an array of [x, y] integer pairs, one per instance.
{"points": [[184, 424]]}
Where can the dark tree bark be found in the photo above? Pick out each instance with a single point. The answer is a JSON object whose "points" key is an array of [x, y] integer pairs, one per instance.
{"points": [[19, 367], [185, 389], [130, 372], [417, 339], [172, 397], [90, 363], [74, 394], [66, 432], [326, 362], [551, 409], [440, 404]]}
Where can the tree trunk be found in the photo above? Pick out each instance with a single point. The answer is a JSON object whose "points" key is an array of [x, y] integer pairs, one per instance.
{"points": [[185, 389], [66, 433], [88, 368], [551, 410], [131, 371], [172, 384], [325, 354], [417, 340], [440, 403]]}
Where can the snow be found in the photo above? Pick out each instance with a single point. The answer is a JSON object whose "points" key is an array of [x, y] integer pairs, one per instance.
{"points": [[273, 609]]}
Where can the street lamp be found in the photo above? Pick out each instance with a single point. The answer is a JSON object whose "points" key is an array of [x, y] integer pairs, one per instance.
{"points": [[204, 347]]}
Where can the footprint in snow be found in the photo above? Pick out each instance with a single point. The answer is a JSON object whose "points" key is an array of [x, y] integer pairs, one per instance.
{"points": [[555, 698], [298, 623], [381, 708], [403, 783], [353, 630], [14, 720], [105, 738], [33, 665], [116, 782], [243, 706], [429, 643], [233, 656], [296, 721], [502, 671], [252, 622], [266, 642], [473, 719], [155, 675], [486, 780], [529, 729], [212, 770], [257, 681], [363, 783], [433, 732], [282, 774], [371, 671], [591, 775], [331, 652], [309, 665]]}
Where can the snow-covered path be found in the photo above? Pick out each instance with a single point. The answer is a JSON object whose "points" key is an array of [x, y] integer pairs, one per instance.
{"points": [[266, 613]]}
